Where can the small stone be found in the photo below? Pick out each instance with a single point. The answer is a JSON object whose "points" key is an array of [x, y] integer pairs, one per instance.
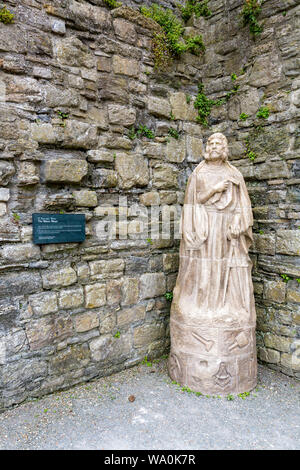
{"points": [[28, 174], [150, 199], [102, 178], [170, 262], [58, 26], [131, 398], [6, 171], [4, 194], [97, 156], [125, 30]]}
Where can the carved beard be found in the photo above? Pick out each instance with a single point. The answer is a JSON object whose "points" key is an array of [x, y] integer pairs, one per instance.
{"points": [[208, 156]]}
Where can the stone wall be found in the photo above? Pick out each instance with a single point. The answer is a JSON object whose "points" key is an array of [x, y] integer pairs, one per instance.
{"points": [[74, 78]]}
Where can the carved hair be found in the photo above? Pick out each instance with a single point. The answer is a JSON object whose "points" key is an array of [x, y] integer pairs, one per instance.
{"points": [[224, 142]]}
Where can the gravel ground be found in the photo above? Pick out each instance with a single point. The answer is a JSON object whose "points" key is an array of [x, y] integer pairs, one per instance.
{"points": [[98, 415]]}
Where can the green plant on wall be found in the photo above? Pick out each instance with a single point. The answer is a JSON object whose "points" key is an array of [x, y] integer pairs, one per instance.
{"points": [[196, 7], [112, 4], [6, 16], [250, 13], [263, 113], [169, 43]]}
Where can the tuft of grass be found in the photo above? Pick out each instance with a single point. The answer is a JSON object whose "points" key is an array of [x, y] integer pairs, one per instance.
{"points": [[6, 16], [173, 133]]}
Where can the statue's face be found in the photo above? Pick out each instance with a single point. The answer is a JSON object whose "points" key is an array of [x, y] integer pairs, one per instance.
{"points": [[215, 148]]}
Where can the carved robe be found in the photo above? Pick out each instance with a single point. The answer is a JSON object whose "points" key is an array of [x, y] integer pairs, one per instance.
{"points": [[213, 312]]}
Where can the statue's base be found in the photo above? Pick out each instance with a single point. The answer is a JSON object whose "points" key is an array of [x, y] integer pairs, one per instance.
{"points": [[213, 360]]}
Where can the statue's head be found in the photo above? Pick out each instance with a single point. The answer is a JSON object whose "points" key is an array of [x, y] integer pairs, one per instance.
{"points": [[216, 147]]}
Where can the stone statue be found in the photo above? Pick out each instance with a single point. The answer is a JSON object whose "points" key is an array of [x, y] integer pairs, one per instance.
{"points": [[213, 347]]}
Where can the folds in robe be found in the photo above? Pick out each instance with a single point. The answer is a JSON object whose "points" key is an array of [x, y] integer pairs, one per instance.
{"points": [[214, 284]]}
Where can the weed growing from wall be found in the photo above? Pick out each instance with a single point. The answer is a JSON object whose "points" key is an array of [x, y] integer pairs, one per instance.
{"points": [[6, 16], [170, 43], [250, 13], [112, 4], [196, 7]]}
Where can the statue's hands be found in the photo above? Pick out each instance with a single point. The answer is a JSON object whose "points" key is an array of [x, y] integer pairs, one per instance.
{"points": [[234, 229], [220, 187]]}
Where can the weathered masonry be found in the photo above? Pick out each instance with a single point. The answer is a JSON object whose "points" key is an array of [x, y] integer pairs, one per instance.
{"points": [[77, 80]]}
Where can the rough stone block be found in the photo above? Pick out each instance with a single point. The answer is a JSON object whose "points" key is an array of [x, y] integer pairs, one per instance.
{"points": [[125, 30], [175, 151], [110, 349], [194, 149], [150, 199], [60, 277], [114, 291], [103, 178], [280, 343], [123, 115], [170, 262], [264, 243], [288, 242], [71, 298], [130, 291], [125, 66], [132, 170], [159, 106], [104, 269], [99, 156], [85, 198], [165, 176], [145, 334], [152, 285], [72, 52], [43, 304], [130, 315], [95, 295], [275, 291], [86, 322], [63, 170]]}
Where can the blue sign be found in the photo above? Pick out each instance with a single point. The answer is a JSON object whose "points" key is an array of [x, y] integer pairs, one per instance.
{"points": [[58, 228]]}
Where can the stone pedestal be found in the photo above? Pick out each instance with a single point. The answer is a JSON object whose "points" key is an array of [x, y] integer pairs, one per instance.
{"points": [[213, 360]]}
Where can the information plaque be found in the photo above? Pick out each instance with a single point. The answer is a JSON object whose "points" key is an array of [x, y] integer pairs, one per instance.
{"points": [[58, 228]]}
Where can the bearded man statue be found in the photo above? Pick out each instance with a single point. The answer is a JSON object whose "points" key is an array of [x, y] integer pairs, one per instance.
{"points": [[212, 325]]}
